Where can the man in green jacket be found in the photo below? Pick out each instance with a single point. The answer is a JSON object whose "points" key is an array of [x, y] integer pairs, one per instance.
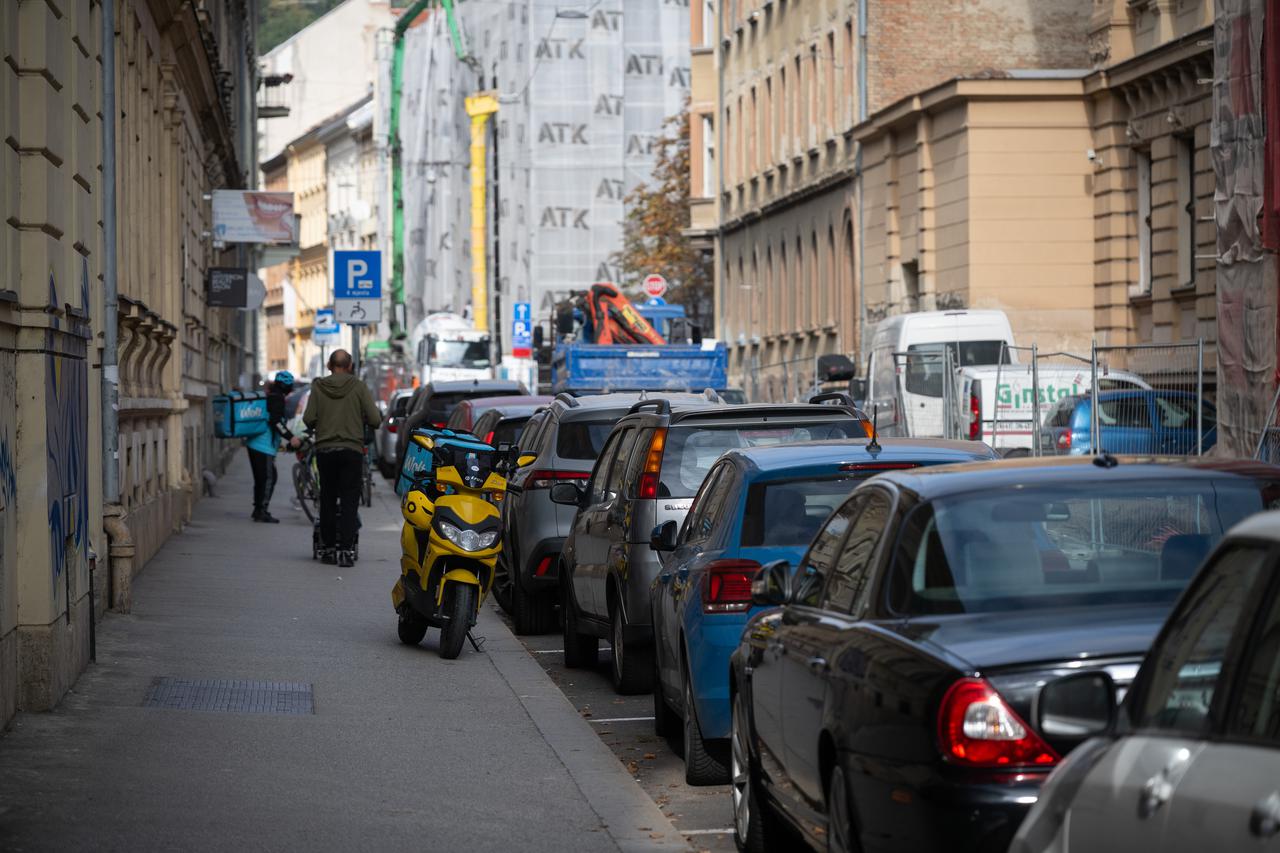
{"points": [[338, 409]]}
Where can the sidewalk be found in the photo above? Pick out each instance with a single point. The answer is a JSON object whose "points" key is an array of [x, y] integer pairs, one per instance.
{"points": [[403, 751]]}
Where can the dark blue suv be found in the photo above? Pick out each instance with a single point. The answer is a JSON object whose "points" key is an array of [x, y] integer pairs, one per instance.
{"points": [[755, 506]]}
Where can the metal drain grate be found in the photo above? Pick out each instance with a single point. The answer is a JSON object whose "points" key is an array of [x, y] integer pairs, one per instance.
{"points": [[233, 697]]}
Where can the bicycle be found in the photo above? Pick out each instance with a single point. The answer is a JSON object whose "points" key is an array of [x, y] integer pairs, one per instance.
{"points": [[306, 480], [366, 479]]}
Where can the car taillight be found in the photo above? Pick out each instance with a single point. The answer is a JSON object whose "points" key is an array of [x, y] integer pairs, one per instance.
{"points": [[543, 565], [975, 417], [1064, 440], [392, 427], [977, 729], [488, 437], [547, 479], [652, 465], [438, 424], [726, 586]]}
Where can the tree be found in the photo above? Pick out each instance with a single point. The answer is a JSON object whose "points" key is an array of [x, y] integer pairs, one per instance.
{"points": [[280, 19], [657, 212]]}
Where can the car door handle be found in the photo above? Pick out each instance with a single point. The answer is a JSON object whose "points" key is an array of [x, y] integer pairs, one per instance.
{"points": [[1155, 793], [1264, 820], [818, 664]]}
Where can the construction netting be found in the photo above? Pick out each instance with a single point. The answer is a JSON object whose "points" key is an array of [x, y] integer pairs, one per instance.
{"points": [[583, 94]]}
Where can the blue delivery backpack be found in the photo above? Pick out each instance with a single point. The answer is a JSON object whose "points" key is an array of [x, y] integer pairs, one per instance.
{"points": [[418, 461], [239, 415]]}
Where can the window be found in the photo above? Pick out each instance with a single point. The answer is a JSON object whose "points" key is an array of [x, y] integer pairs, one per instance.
{"points": [[624, 453], [753, 135], [829, 66], [811, 86], [1183, 669], [598, 490], [851, 569], [507, 431], [925, 363], [1186, 211], [1144, 220], [1255, 713], [709, 176], [1090, 543], [848, 95], [784, 113], [582, 439], [819, 560], [1129, 410], [790, 513], [707, 507], [767, 127], [740, 142], [729, 164], [708, 23], [911, 286], [797, 120]]}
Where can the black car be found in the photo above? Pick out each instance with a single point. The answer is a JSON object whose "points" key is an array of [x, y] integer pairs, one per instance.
{"points": [[884, 705], [433, 403]]}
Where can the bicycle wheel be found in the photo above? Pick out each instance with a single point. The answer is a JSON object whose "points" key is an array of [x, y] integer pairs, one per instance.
{"points": [[302, 486]]}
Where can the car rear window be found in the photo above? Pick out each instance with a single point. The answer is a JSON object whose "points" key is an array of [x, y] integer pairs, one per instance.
{"points": [[441, 405], [582, 439], [692, 449], [508, 430], [1094, 542], [790, 513]]}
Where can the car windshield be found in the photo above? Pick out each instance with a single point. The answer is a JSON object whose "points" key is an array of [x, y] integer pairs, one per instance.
{"points": [[691, 450], [1065, 545], [925, 363], [790, 512], [469, 354], [582, 439]]}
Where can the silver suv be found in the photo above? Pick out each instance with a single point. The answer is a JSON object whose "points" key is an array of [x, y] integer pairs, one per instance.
{"points": [[648, 472], [566, 437]]}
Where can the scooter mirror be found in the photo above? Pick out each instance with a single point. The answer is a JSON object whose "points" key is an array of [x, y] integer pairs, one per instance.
{"points": [[526, 460]]}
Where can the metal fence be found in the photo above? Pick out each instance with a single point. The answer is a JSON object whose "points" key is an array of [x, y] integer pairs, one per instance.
{"points": [[1268, 449], [1176, 419]]}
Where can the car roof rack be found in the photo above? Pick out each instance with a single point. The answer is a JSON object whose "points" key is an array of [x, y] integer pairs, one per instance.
{"points": [[662, 404], [832, 397], [568, 399]]}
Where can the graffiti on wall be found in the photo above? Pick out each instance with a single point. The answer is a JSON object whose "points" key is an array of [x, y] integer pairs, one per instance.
{"points": [[67, 439]]}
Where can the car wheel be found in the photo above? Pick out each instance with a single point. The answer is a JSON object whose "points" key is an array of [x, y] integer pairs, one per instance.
{"points": [[703, 765], [531, 612], [632, 668], [754, 824], [840, 834], [580, 650]]}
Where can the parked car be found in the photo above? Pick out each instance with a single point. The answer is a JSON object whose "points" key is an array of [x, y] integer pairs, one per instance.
{"points": [[473, 415], [651, 466], [433, 403], [566, 437], [1156, 422], [384, 439], [884, 703], [755, 506], [1191, 762]]}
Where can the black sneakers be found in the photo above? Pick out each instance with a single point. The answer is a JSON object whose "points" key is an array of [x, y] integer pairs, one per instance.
{"points": [[328, 556], [346, 559], [264, 517]]}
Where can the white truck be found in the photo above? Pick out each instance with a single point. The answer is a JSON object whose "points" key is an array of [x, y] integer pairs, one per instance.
{"points": [[996, 403], [450, 348]]}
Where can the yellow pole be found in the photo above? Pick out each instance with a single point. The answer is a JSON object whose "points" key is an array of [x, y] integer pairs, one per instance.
{"points": [[479, 107]]}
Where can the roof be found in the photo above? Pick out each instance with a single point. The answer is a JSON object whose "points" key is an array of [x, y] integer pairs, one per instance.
{"points": [[461, 386], [784, 457], [753, 411], [617, 404], [1008, 473], [1264, 525]]}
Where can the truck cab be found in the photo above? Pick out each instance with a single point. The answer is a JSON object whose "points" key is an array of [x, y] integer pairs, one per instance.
{"points": [[450, 349]]}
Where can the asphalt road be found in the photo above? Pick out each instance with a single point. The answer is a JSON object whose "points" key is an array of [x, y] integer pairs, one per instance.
{"points": [[392, 748]]}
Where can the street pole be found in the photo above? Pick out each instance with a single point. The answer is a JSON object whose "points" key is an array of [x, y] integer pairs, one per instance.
{"points": [[110, 292], [495, 335]]}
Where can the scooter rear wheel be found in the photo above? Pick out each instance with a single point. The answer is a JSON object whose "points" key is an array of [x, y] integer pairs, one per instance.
{"points": [[411, 627], [459, 605]]}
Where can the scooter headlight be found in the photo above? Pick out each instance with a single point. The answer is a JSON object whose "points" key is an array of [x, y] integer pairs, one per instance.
{"points": [[468, 540]]}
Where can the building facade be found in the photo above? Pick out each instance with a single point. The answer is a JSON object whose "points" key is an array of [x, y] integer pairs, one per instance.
{"points": [[184, 93]]}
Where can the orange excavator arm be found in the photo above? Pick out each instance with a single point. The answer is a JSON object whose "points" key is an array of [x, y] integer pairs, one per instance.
{"points": [[616, 320]]}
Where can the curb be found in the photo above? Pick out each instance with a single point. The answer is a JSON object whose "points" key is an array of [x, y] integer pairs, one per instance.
{"points": [[631, 818]]}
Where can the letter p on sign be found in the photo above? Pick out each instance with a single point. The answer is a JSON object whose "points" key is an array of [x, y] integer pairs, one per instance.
{"points": [[357, 269]]}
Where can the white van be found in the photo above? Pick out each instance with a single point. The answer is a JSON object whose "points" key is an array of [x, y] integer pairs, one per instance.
{"points": [[908, 361], [993, 403]]}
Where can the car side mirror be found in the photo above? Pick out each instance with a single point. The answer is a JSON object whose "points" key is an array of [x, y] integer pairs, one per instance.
{"points": [[771, 587], [566, 494], [1077, 706], [663, 537]]}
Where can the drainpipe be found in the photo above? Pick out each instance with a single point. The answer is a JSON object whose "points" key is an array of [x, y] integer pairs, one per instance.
{"points": [[393, 138], [720, 153], [857, 171], [120, 546]]}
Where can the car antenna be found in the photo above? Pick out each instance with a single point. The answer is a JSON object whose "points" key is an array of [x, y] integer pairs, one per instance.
{"points": [[874, 445]]}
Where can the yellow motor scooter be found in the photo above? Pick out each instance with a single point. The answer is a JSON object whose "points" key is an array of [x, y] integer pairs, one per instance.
{"points": [[451, 537]]}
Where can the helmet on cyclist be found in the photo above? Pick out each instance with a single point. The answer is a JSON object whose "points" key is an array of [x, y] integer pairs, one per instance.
{"points": [[284, 378]]}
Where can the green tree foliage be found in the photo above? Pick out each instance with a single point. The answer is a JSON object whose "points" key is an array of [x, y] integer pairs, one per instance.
{"points": [[280, 19], [657, 212]]}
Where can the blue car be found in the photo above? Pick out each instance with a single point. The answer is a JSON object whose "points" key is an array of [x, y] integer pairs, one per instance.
{"points": [[756, 505], [1140, 422]]}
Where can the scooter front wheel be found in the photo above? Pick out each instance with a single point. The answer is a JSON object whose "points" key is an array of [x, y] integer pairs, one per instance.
{"points": [[459, 605]]}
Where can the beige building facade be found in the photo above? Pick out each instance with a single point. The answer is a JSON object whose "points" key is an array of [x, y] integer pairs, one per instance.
{"points": [[1050, 160], [184, 119]]}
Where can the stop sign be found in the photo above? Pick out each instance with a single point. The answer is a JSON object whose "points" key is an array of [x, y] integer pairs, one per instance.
{"points": [[655, 285]]}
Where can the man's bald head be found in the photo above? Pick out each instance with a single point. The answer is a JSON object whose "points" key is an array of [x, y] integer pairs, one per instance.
{"points": [[340, 361]]}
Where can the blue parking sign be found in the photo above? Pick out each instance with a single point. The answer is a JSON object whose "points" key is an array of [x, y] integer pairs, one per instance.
{"points": [[357, 275], [521, 330]]}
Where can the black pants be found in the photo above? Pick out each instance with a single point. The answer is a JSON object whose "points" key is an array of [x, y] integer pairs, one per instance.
{"points": [[264, 478], [340, 475]]}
